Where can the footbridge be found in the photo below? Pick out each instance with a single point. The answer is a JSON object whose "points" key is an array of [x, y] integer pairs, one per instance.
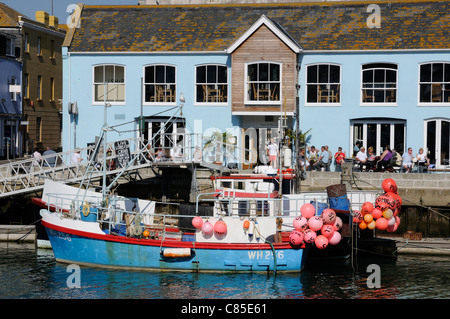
{"points": [[123, 157]]}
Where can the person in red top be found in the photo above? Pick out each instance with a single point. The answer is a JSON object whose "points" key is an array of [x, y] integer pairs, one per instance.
{"points": [[339, 158]]}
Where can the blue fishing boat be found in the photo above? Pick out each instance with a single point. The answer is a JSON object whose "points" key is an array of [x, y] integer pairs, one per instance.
{"points": [[85, 233], [104, 229]]}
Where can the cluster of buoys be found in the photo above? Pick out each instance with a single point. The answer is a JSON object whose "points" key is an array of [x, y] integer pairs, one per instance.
{"points": [[383, 214], [207, 228], [321, 230]]}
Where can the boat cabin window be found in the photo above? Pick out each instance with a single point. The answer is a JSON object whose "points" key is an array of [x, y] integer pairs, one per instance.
{"points": [[262, 208]]}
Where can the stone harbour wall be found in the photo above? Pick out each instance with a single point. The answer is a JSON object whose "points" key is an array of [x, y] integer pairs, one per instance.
{"points": [[428, 189]]}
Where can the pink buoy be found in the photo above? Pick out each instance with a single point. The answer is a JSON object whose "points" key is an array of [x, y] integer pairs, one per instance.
{"points": [[392, 228], [337, 225], [381, 223], [315, 223], [321, 242], [308, 210], [220, 228], [335, 239], [207, 229], [296, 238], [377, 213], [328, 216], [389, 185], [197, 222], [366, 208], [357, 217], [309, 236], [327, 230], [300, 223], [391, 221]]}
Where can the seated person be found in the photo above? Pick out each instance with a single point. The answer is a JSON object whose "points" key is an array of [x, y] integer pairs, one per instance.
{"points": [[312, 159], [361, 157], [371, 158], [422, 160], [385, 158], [407, 160], [323, 160]]}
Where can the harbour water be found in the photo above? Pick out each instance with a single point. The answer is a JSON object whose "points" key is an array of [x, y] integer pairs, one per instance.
{"points": [[29, 273]]}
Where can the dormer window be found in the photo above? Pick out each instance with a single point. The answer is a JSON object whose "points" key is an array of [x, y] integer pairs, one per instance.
{"points": [[263, 83]]}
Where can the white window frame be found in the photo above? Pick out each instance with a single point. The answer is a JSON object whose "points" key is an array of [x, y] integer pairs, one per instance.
{"points": [[338, 103], [166, 83], [419, 83], [94, 102], [246, 84], [216, 84], [378, 149], [385, 89]]}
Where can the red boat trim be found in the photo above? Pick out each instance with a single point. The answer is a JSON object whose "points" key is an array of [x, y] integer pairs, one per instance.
{"points": [[255, 176], [245, 194], [169, 242]]}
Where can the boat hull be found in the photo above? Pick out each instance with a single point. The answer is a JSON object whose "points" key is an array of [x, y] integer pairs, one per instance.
{"points": [[84, 248]]}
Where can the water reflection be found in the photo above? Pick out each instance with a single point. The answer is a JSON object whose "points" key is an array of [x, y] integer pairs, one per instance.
{"points": [[29, 273]]}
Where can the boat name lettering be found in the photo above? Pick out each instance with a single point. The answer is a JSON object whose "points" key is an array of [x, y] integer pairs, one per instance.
{"points": [[265, 254], [60, 235]]}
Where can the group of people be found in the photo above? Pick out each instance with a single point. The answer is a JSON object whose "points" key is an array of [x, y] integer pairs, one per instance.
{"points": [[48, 162], [312, 159], [406, 161]]}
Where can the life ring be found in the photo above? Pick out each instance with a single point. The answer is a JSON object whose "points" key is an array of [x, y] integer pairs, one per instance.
{"points": [[86, 209]]}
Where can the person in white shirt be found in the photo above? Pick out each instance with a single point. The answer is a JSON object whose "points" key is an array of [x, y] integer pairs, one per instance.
{"points": [[422, 160], [76, 157], [407, 160], [272, 151], [361, 157]]}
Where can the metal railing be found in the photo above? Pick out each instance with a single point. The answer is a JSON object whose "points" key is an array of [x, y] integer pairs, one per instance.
{"points": [[29, 175]]}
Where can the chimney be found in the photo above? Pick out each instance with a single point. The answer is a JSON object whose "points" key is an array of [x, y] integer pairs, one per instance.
{"points": [[53, 21], [42, 17]]}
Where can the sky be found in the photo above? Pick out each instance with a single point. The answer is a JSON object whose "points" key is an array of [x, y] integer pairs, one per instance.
{"points": [[29, 7]]}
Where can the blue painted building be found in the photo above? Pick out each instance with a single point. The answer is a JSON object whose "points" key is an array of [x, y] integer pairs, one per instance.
{"points": [[10, 98], [347, 72]]}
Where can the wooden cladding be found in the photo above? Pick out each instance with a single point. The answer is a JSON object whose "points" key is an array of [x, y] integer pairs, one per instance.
{"points": [[263, 46]]}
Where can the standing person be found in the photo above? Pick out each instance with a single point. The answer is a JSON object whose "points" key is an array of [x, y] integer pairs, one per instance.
{"points": [[76, 157], [36, 157], [330, 157], [272, 151], [51, 161], [339, 158], [36, 161], [407, 160]]}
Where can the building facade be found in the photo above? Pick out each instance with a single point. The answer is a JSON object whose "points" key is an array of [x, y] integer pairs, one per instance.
{"points": [[344, 72], [10, 97], [38, 44]]}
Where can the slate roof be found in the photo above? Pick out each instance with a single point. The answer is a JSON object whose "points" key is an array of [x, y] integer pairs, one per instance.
{"points": [[8, 16], [407, 24]]}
